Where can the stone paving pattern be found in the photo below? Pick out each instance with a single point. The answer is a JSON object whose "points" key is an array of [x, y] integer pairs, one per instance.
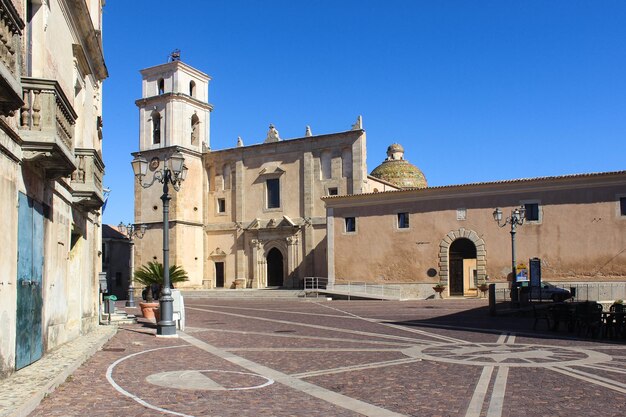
{"points": [[348, 358]]}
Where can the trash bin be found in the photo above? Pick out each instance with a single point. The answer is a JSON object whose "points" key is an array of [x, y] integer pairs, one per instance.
{"points": [[109, 304]]}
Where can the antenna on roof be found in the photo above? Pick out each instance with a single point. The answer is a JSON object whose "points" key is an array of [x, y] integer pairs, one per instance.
{"points": [[174, 56]]}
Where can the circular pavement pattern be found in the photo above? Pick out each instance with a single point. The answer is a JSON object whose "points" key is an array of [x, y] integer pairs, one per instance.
{"points": [[206, 380], [512, 355]]}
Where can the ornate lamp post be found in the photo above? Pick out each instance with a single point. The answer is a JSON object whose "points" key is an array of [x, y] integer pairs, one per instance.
{"points": [[173, 172], [131, 231], [517, 217]]}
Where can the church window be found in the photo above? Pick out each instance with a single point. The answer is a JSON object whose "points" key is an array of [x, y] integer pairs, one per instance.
{"points": [[226, 177], [350, 223], [403, 220], [195, 129], [161, 86], [273, 193], [532, 212], [346, 163], [192, 89], [221, 205], [156, 127], [326, 165], [333, 191]]}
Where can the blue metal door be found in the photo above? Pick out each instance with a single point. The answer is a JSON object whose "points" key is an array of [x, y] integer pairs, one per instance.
{"points": [[28, 343]]}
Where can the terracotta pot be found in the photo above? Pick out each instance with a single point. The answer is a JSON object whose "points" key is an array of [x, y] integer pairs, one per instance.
{"points": [[147, 309]]}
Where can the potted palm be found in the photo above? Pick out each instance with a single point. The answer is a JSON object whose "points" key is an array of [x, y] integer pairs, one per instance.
{"points": [[151, 277]]}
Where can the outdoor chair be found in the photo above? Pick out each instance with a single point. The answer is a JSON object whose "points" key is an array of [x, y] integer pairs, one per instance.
{"points": [[541, 313], [561, 313], [615, 325], [589, 320]]}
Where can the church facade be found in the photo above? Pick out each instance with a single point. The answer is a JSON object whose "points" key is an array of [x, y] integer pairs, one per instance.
{"points": [[248, 216]]}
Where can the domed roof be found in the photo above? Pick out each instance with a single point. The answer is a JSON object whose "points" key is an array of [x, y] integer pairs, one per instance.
{"points": [[398, 171]]}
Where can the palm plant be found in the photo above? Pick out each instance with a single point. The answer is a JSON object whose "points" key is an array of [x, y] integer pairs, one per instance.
{"points": [[152, 273]]}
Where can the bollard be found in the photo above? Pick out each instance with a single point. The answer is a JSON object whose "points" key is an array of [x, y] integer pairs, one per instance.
{"points": [[492, 299]]}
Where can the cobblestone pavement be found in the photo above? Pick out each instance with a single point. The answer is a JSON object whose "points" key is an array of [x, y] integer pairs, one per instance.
{"points": [[346, 358]]}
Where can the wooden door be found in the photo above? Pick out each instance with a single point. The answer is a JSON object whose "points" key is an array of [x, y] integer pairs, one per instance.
{"points": [[219, 274], [28, 342]]}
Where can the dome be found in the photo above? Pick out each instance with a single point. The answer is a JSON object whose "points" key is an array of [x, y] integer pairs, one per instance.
{"points": [[398, 171]]}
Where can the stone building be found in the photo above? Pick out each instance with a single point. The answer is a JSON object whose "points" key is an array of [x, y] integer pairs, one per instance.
{"points": [[575, 224], [116, 260], [248, 216], [51, 72], [272, 213]]}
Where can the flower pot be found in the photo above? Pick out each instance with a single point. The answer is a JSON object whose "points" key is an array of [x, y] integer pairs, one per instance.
{"points": [[439, 290], [147, 309]]}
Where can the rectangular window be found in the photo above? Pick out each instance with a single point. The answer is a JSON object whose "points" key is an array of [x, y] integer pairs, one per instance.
{"points": [[403, 220], [350, 224], [221, 205], [532, 212], [273, 193], [333, 191], [622, 206]]}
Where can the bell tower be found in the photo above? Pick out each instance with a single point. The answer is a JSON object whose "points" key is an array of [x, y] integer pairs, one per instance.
{"points": [[174, 107], [174, 115]]}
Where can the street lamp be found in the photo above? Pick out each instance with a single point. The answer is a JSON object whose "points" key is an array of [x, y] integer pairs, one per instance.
{"points": [[173, 172], [517, 217], [130, 231]]}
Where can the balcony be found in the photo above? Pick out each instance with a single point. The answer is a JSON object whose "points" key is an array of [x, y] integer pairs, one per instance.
{"points": [[11, 26], [47, 127], [87, 179]]}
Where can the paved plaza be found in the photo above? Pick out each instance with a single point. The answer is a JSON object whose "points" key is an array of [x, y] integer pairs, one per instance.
{"points": [[346, 358]]}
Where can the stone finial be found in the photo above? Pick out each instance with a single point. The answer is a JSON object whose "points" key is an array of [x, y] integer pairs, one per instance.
{"points": [[359, 124], [272, 135], [239, 142], [308, 131]]}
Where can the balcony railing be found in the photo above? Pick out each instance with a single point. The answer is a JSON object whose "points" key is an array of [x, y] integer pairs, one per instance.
{"points": [[47, 127], [87, 179], [11, 26]]}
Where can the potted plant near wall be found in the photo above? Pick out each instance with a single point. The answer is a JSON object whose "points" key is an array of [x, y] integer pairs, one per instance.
{"points": [[151, 277], [439, 289]]}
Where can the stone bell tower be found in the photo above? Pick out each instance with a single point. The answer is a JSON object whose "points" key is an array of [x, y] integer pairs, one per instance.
{"points": [[174, 114]]}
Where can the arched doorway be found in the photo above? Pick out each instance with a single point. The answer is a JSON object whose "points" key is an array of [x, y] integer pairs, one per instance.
{"points": [[463, 271], [275, 271]]}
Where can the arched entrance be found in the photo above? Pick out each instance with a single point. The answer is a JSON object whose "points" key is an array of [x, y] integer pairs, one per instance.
{"points": [[275, 271], [463, 271]]}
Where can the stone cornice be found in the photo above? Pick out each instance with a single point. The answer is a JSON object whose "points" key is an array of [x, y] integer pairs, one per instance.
{"points": [[534, 185], [90, 37], [173, 66], [143, 102]]}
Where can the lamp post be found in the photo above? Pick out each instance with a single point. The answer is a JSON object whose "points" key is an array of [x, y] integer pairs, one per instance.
{"points": [[131, 231], [173, 172], [517, 217]]}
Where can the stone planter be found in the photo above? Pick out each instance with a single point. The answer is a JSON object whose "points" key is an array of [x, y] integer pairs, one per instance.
{"points": [[147, 309]]}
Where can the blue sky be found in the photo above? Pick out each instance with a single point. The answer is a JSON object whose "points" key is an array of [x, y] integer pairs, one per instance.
{"points": [[474, 90]]}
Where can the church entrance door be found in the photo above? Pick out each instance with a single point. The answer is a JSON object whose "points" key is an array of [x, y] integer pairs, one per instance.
{"points": [[219, 274], [275, 268], [462, 266]]}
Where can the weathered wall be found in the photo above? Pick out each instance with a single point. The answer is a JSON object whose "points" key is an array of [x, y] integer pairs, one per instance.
{"points": [[580, 235]]}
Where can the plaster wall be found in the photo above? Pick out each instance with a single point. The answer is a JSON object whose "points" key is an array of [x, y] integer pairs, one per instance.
{"points": [[8, 261], [580, 234]]}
